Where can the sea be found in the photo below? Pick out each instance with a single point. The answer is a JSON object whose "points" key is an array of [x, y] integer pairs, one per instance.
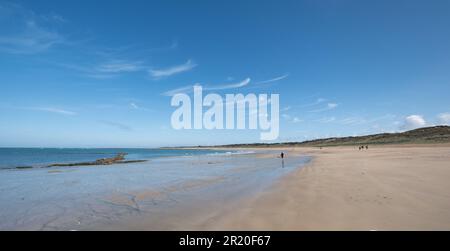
{"points": [[11, 158]]}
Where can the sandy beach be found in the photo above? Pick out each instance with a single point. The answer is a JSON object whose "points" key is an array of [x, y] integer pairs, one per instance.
{"points": [[383, 188], [335, 188]]}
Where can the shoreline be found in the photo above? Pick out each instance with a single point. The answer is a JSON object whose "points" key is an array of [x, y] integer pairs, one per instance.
{"points": [[395, 187], [115, 196], [401, 187]]}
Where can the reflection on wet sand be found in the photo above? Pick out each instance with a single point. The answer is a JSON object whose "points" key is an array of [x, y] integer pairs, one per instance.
{"points": [[77, 198]]}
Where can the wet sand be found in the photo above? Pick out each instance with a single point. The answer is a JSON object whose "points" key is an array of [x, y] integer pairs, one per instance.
{"points": [[383, 188], [195, 202], [156, 192]]}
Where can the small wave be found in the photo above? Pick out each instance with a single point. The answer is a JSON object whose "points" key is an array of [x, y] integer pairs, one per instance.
{"points": [[230, 153]]}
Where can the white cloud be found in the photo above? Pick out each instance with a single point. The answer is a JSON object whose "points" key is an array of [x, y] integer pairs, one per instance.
{"points": [[160, 73], [413, 122], [444, 118]]}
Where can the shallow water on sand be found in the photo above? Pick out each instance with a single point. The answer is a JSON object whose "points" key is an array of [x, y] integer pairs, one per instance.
{"points": [[74, 198], [11, 158]]}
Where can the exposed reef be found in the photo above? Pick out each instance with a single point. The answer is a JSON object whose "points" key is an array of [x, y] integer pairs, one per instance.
{"points": [[118, 159]]}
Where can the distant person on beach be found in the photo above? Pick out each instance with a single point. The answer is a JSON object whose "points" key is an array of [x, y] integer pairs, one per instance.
{"points": [[282, 159], [367, 147]]}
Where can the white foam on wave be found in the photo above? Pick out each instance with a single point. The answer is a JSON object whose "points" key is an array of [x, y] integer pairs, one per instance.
{"points": [[230, 153]]}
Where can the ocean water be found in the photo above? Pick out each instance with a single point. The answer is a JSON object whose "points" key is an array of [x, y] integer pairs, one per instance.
{"points": [[41, 157], [91, 197]]}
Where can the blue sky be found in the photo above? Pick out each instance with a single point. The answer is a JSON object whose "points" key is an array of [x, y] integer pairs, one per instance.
{"points": [[95, 74]]}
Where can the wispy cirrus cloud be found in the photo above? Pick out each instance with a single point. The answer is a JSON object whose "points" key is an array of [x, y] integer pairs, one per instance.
{"points": [[106, 69], [184, 89], [120, 66], [117, 125], [290, 118], [315, 103], [135, 106], [272, 80], [134, 50], [267, 82], [326, 120], [51, 110], [53, 17], [190, 88], [243, 83], [354, 120], [173, 70], [358, 120], [329, 106], [22, 32], [172, 46]]}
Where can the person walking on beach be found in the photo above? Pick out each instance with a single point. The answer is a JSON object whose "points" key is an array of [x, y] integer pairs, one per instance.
{"points": [[282, 159]]}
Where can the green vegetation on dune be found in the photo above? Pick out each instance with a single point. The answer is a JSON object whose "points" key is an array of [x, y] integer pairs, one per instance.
{"points": [[426, 135]]}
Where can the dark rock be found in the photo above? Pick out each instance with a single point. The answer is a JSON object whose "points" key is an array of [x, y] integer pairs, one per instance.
{"points": [[24, 167], [118, 159]]}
